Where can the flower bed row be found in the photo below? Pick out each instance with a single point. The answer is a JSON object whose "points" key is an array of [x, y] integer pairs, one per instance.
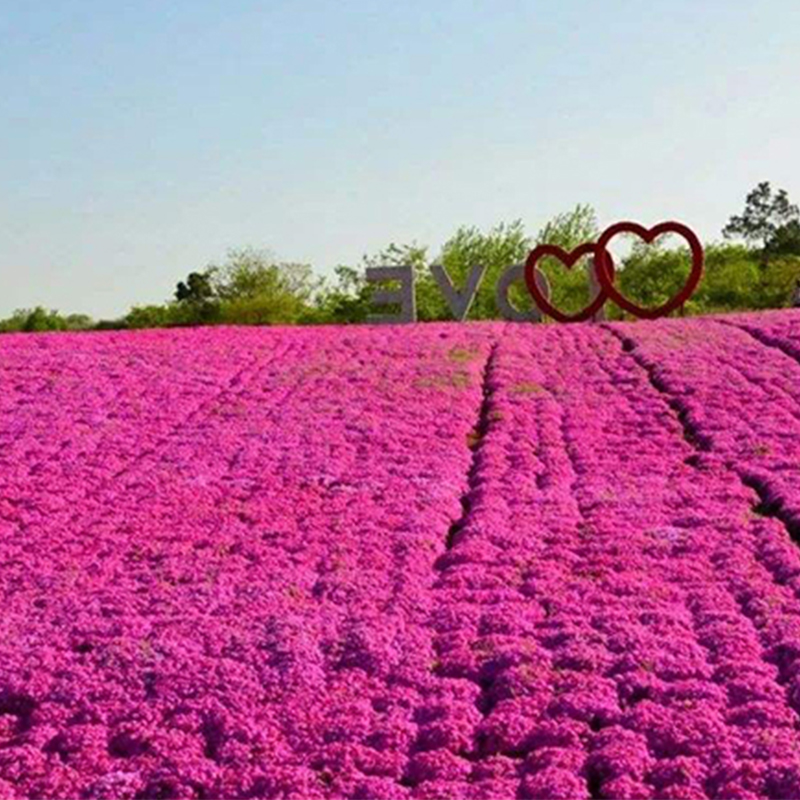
{"points": [[611, 596]]}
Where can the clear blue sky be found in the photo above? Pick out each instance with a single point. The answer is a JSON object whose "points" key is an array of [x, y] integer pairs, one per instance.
{"points": [[140, 140]]}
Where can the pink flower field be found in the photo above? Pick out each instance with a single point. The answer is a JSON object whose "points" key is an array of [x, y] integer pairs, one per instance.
{"points": [[432, 561]]}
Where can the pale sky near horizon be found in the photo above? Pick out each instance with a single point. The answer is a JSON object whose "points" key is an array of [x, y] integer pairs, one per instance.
{"points": [[139, 141]]}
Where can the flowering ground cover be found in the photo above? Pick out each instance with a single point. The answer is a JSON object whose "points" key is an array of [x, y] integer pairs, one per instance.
{"points": [[437, 561]]}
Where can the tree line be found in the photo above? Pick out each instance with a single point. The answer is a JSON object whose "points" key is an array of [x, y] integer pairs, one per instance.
{"points": [[755, 266]]}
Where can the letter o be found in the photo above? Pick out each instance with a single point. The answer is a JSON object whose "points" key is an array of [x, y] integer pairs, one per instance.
{"points": [[509, 312]]}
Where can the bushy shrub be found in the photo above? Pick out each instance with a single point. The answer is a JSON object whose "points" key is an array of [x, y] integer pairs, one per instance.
{"points": [[262, 309], [39, 319]]}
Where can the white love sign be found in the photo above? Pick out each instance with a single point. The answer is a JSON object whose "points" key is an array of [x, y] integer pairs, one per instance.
{"points": [[458, 301]]}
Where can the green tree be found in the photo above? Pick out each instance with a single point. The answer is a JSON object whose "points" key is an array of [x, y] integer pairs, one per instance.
{"points": [[152, 316], [248, 273], [195, 303], [652, 274], [786, 241], [169, 315], [196, 289], [769, 220], [40, 319], [34, 320], [14, 323], [255, 289], [731, 280], [570, 229], [346, 301], [249, 288], [399, 255], [780, 281], [79, 322]]}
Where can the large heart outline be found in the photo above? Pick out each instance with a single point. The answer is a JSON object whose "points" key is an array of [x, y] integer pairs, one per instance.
{"points": [[648, 235], [568, 259]]}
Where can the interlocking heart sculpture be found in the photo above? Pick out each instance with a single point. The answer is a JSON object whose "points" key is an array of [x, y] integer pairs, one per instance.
{"points": [[603, 269]]}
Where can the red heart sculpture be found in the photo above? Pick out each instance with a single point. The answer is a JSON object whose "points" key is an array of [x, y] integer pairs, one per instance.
{"points": [[606, 277], [568, 259]]}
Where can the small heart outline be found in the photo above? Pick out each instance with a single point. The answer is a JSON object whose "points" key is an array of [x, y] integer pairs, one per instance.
{"points": [[568, 258]]}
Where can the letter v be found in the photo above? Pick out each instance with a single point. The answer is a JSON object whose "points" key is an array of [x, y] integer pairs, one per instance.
{"points": [[459, 302]]}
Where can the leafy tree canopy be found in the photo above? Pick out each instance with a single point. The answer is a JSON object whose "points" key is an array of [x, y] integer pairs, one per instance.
{"points": [[770, 220], [196, 289]]}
